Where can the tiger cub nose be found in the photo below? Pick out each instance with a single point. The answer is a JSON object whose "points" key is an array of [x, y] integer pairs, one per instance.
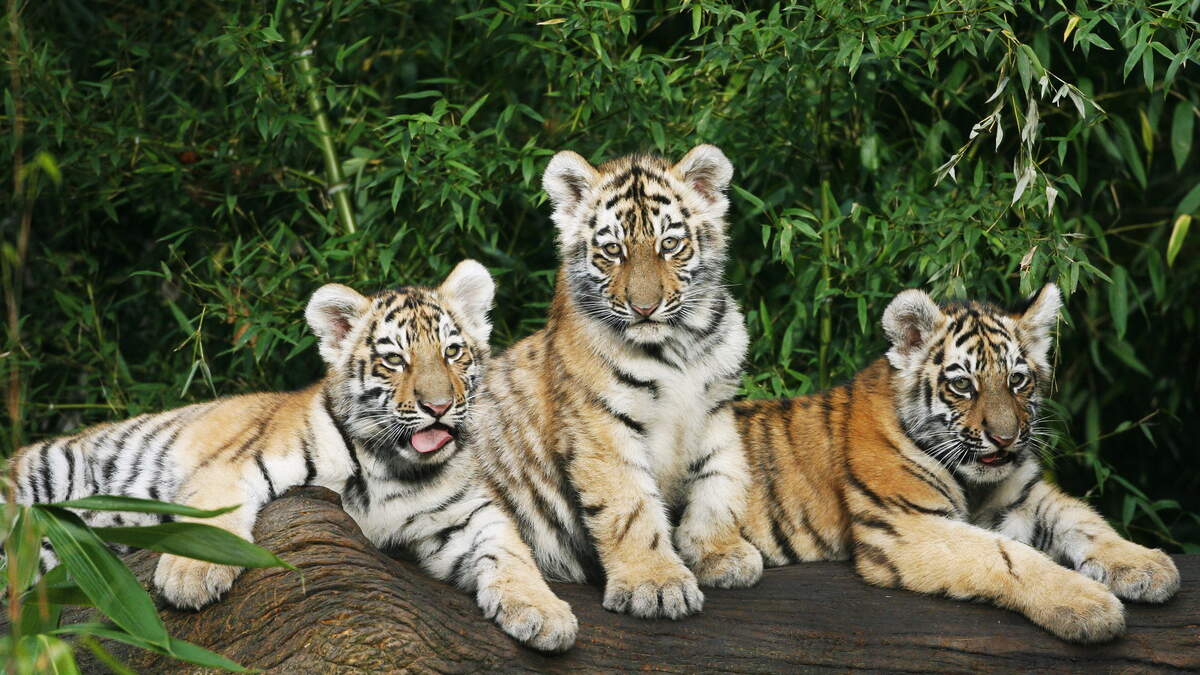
{"points": [[436, 409], [1000, 441], [644, 311]]}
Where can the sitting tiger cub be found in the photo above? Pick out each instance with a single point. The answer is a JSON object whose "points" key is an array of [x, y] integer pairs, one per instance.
{"points": [[923, 470], [616, 413], [387, 428]]}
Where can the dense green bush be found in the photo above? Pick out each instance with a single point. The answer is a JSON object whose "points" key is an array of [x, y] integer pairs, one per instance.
{"points": [[169, 161]]}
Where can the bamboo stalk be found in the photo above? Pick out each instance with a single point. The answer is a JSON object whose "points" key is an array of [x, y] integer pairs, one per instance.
{"points": [[336, 186], [826, 336]]}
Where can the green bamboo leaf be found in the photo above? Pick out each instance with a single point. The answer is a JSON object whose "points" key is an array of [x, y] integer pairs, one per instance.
{"points": [[22, 548], [193, 540], [1190, 203], [46, 654], [111, 587], [1178, 232], [116, 503], [1118, 300], [180, 649], [59, 589], [1182, 122]]}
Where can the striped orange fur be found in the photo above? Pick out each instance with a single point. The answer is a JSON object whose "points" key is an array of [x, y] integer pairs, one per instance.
{"points": [[923, 469], [616, 414], [389, 428]]}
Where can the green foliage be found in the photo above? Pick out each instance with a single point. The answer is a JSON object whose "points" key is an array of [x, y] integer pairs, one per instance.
{"points": [[89, 574], [179, 188]]}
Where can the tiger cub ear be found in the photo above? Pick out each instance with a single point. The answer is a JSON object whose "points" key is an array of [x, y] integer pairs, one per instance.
{"points": [[909, 321], [470, 289], [567, 179], [331, 313], [1038, 320], [707, 171]]}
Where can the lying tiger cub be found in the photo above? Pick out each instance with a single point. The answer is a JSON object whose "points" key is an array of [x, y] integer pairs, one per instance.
{"points": [[923, 470], [387, 428]]}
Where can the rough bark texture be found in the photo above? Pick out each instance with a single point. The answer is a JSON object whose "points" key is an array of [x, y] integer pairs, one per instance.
{"points": [[358, 609]]}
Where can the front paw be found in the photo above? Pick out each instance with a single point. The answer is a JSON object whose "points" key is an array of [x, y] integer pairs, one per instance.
{"points": [[192, 584], [669, 592], [738, 566], [1078, 609], [1133, 572], [538, 619]]}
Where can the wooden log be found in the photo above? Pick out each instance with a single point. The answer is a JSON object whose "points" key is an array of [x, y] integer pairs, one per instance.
{"points": [[357, 609]]}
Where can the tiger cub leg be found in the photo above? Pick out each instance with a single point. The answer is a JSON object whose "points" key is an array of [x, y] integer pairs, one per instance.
{"points": [[934, 554], [1068, 529], [626, 517], [481, 550], [715, 489], [192, 584]]}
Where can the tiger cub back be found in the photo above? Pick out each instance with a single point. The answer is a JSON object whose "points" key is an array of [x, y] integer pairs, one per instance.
{"points": [[924, 470], [614, 419]]}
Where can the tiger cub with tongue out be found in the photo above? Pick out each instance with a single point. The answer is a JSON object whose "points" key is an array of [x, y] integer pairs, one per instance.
{"points": [[388, 428], [923, 469]]}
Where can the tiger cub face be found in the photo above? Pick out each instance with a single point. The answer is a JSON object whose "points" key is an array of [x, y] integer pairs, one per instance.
{"points": [[403, 364], [642, 241], [972, 378]]}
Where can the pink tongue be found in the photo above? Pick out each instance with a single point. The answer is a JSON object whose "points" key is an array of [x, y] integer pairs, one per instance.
{"points": [[428, 440]]}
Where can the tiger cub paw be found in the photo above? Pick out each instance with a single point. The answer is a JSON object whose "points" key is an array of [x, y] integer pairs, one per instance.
{"points": [[537, 619], [1081, 610], [738, 566], [1132, 572], [192, 584], [669, 592]]}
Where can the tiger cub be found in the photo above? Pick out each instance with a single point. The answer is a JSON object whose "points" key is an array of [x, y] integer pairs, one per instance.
{"points": [[924, 470], [603, 424], [388, 428]]}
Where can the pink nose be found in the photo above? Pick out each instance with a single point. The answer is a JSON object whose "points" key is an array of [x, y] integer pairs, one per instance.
{"points": [[1000, 441], [435, 409], [644, 311]]}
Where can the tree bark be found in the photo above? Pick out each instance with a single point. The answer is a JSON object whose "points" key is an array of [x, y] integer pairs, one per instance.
{"points": [[357, 609]]}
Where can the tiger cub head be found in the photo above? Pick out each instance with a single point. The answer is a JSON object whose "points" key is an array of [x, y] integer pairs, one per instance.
{"points": [[403, 365], [642, 241], [972, 377]]}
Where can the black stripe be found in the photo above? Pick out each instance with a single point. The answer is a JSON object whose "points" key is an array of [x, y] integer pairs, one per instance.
{"points": [[631, 381], [310, 467], [781, 540], [262, 468], [69, 455], [864, 490], [867, 520], [355, 488], [1007, 560], [44, 472], [876, 555], [447, 533], [637, 511], [909, 507], [932, 481]]}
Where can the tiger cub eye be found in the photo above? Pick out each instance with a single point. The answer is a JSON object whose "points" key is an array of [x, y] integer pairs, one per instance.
{"points": [[613, 250]]}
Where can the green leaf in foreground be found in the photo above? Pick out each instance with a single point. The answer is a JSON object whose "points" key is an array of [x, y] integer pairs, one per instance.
{"points": [[110, 585], [193, 540], [180, 649], [59, 589], [115, 503]]}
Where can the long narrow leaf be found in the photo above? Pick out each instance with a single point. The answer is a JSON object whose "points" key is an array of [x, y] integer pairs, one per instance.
{"points": [[193, 540], [110, 585], [180, 649], [59, 589], [117, 503]]}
